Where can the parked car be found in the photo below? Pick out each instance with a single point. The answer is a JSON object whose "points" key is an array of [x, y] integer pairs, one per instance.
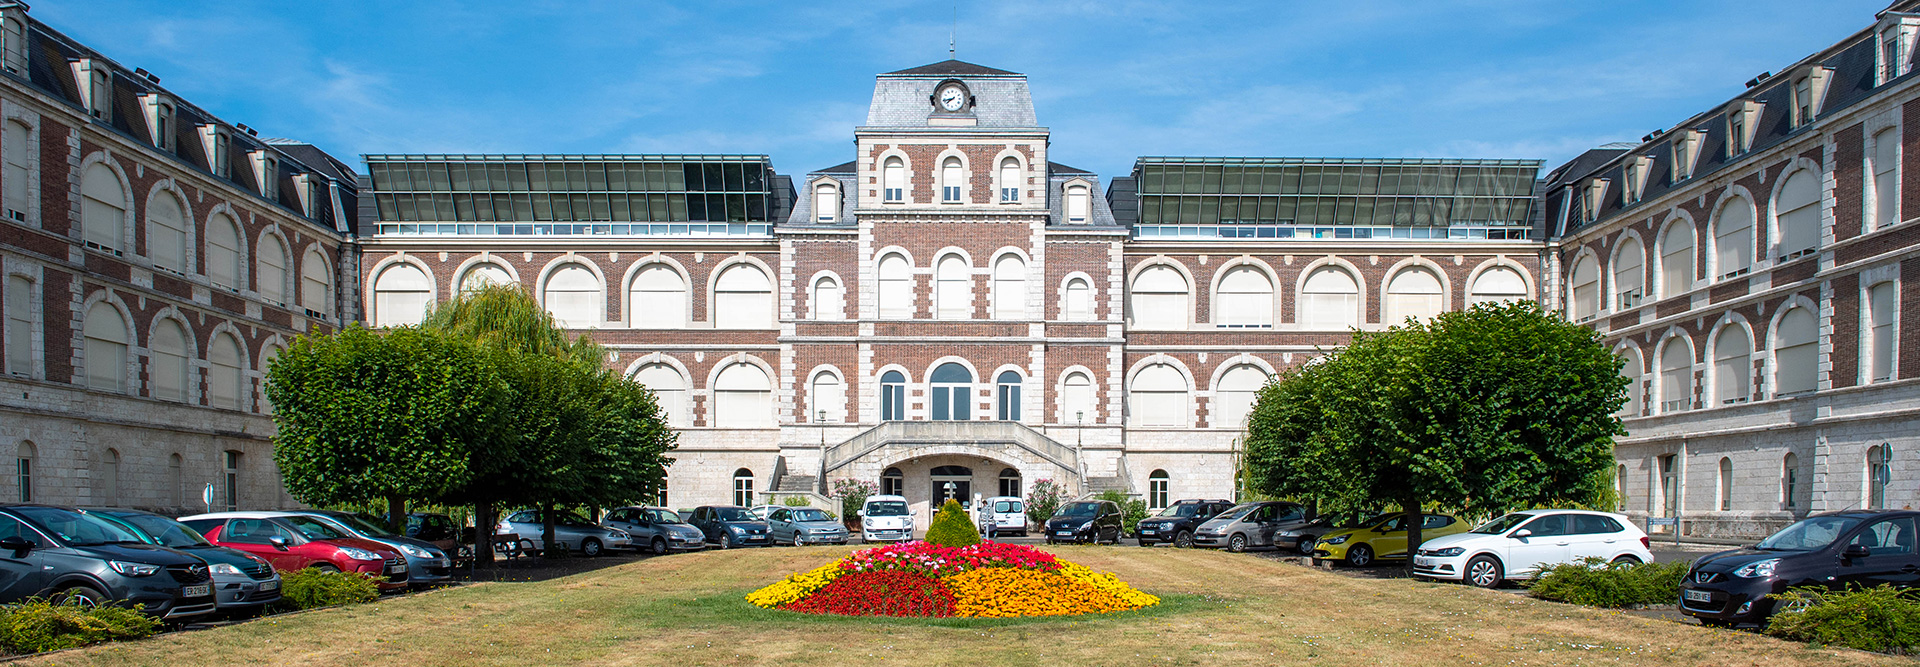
{"points": [[1834, 550], [1003, 515], [1515, 546], [1307, 535], [572, 531], [242, 582], [1383, 539], [63, 555], [1269, 523], [1176, 523], [439, 530], [1085, 521], [655, 529], [886, 519], [298, 542], [729, 526], [804, 525], [427, 565], [761, 511]]}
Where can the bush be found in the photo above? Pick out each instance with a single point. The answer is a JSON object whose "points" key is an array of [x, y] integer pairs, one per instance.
{"points": [[1132, 509], [796, 501], [952, 527], [1596, 583], [34, 625], [312, 587], [1882, 618], [1043, 501], [853, 495]]}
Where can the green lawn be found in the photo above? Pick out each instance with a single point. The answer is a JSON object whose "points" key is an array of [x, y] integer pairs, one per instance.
{"points": [[1219, 608]]}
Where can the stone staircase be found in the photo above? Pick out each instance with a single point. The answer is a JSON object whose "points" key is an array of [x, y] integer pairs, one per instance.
{"points": [[797, 483]]}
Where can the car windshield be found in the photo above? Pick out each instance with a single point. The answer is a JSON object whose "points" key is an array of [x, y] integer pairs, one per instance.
{"points": [[1502, 524], [1809, 534], [1080, 509], [313, 529], [1193, 509], [169, 532], [1236, 511], [1375, 522], [664, 516], [362, 525], [887, 508], [78, 529], [1007, 506], [733, 514], [807, 515]]}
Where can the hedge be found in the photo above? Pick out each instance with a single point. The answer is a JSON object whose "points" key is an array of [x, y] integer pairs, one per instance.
{"points": [[1597, 583]]}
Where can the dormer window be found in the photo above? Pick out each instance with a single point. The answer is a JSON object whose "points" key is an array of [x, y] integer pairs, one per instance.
{"points": [[951, 175], [1686, 150], [219, 144], [1896, 39], [13, 39], [1078, 203], [1742, 117], [96, 87], [894, 177], [307, 188], [826, 202], [1636, 170], [1808, 90], [266, 167], [1010, 181], [160, 120], [1592, 194]]}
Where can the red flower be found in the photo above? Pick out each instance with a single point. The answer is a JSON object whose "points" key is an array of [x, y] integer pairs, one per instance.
{"points": [[881, 593]]}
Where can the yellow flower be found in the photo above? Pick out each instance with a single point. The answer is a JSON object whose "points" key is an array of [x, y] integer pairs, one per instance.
{"points": [[1108, 583], [795, 586], [1006, 592]]}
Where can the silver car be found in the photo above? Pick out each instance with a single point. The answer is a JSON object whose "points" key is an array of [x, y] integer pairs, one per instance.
{"points": [[427, 565], [655, 529], [1253, 525], [804, 525], [570, 530]]}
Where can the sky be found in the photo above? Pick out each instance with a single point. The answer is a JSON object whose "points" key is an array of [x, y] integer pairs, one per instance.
{"points": [[1113, 79]]}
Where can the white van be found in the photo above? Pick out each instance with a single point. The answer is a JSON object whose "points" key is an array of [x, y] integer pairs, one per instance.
{"points": [[1007, 514], [886, 519]]}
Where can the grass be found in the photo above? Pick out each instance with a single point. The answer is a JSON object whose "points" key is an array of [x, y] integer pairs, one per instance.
{"points": [[1219, 609]]}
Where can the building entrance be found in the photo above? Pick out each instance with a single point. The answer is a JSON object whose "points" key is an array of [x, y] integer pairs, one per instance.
{"points": [[954, 482]]}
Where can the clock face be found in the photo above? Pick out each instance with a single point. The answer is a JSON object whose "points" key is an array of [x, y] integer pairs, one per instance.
{"points": [[952, 98]]}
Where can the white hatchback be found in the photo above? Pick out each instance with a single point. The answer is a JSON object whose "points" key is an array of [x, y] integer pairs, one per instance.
{"points": [[1517, 545]]}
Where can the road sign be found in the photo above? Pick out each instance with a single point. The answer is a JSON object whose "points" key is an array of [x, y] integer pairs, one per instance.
{"points": [[1662, 521], [206, 496]]}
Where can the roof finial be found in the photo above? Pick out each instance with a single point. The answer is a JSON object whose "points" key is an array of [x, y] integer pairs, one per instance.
{"points": [[954, 32]]}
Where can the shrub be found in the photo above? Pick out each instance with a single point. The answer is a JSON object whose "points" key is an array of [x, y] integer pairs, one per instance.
{"points": [[885, 593], [1132, 510], [853, 495], [312, 587], [952, 527], [1882, 618], [1043, 501], [34, 625], [796, 501], [1596, 583]]}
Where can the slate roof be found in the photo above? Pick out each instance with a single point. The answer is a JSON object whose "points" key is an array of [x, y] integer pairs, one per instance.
{"points": [[951, 68], [1057, 168]]}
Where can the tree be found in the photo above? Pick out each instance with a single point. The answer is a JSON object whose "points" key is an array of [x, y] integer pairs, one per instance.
{"points": [[952, 527], [853, 496], [1043, 501], [1478, 411]]}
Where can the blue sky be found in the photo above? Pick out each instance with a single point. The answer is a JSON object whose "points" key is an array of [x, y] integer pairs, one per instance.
{"points": [[1114, 79]]}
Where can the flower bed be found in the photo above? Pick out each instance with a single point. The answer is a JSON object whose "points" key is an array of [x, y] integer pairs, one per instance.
{"points": [[988, 580]]}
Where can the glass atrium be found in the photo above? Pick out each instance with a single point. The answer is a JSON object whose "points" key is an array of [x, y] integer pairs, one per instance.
{"points": [[674, 195]]}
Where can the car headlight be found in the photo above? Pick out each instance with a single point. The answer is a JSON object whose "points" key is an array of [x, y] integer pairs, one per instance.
{"points": [[1758, 569], [1288, 533], [223, 568], [359, 554], [1449, 551], [133, 569], [415, 552], [1337, 539]]}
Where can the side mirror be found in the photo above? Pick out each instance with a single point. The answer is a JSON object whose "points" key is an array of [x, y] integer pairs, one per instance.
{"points": [[860, 512], [1853, 550], [1521, 534], [278, 542], [18, 545]]}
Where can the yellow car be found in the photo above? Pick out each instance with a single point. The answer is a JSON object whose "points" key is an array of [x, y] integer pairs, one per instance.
{"points": [[1382, 538]]}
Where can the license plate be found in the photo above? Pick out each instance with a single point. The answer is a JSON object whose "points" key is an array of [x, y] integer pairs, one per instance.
{"points": [[199, 591], [1146, 532], [1423, 562], [270, 585], [1697, 596], [1064, 532]]}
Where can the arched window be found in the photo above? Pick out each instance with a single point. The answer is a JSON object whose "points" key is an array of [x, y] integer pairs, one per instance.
{"points": [[1585, 295], [1883, 311], [225, 374], [106, 334], [1078, 203], [829, 396], [893, 396], [271, 278], [1414, 292], [952, 386], [1496, 285], [1732, 366], [103, 209], [1886, 178], [1011, 181], [223, 251], [952, 175], [1798, 207], [1159, 299], [1790, 481], [1157, 491], [743, 487], [1233, 399], [1158, 396], [953, 291], [574, 297], [23, 471], [742, 397], [896, 288], [1010, 483], [1009, 288], [482, 275], [1676, 376], [892, 483], [1007, 394], [1676, 260], [1879, 475], [314, 284], [895, 177], [1795, 353], [1076, 400], [167, 234], [1725, 496], [657, 299], [1330, 299], [829, 302], [20, 325], [1632, 369], [110, 476], [1079, 305], [1244, 300], [826, 202], [1629, 274], [232, 470], [13, 149], [400, 295], [669, 390], [167, 364], [1733, 239], [743, 299]]}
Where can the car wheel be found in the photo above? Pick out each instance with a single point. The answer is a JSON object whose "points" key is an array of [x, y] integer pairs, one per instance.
{"points": [[590, 547], [1183, 540], [659, 546], [326, 567], [82, 596], [1306, 544], [1237, 543], [1627, 559], [1484, 571], [1359, 555], [726, 541]]}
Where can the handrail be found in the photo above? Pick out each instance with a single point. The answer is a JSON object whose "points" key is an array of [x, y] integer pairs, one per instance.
{"points": [[947, 432]]}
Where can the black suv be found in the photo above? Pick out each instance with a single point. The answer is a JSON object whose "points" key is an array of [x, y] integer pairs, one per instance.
{"points": [[1093, 521], [730, 526], [1836, 550], [63, 555], [1176, 523]]}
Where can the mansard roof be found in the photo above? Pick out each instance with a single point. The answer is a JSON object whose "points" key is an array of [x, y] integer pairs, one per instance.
{"points": [[952, 68]]}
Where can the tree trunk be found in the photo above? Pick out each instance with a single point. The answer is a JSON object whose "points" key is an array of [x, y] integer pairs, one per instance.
{"points": [[396, 514], [483, 525], [547, 523], [1414, 521]]}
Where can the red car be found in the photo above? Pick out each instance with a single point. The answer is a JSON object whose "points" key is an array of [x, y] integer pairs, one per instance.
{"points": [[292, 542]]}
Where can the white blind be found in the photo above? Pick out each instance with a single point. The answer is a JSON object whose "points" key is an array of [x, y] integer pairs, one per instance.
{"points": [[1796, 353], [896, 288], [1733, 238], [1732, 366], [167, 372], [14, 147], [1676, 377], [1330, 300], [1010, 288], [829, 301], [1077, 204], [1629, 274], [743, 299], [574, 298], [223, 373], [400, 296], [313, 282], [1886, 170], [223, 251], [954, 295], [1799, 204], [19, 304], [1495, 285], [1235, 395], [743, 397], [103, 207], [167, 234], [481, 275], [1079, 301], [1076, 400], [1881, 302], [1159, 299], [826, 203], [1676, 260], [272, 278], [1159, 397], [658, 299], [1586, 288], [1635, 392], [830, 395], [669, 389], [1246, 298], [1413, 293]]}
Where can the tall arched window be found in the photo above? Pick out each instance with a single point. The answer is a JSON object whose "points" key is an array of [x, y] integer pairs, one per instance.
{"points": [[829, 396], [315, 286], [167, 234], [1159, 299], [225, 374], [953, 293], [103, 209], [1078, 204], [1414, 292], [669, 389], [574, 296], [106, 334], [1879, 475], [1585, 295], [1882, 312], [952, 176], [1157, 490], [1676, 376], [952, 386], [176, 481], [1009, 288], [826, 202], [110, 476], [1632, 369], [482, 275], [1011, 180], [1676, 260], [657, 299], [1733, 239], [1886, 177], [167, 363], [893, 396], [1795, 352], [1629, 274], [1725, 500], [1244, 300], [1330, 299], [1790, 481], [743, 299], [1007, 396], [742, 397], [1079, 304], [223, 251], [894, 176], [743, 487], [896, 288], [20, 325], [1158, 396], [1496, 285], [400, 295], [828, 300], [1010, 483], [1798, 207], [892, 483], [1076, 400], [23, 471], [1233, 399], [231, 496], [271, 278], [13, 149], [1732, 366]]}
